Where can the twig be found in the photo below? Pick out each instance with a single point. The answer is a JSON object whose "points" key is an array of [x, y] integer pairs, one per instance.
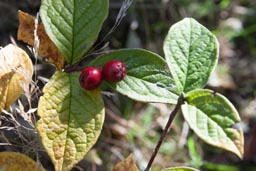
{"points": [[165, 131]]}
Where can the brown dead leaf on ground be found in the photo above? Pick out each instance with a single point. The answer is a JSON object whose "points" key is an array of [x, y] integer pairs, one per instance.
{"points": [[47, 49], [11, 161], [126, 165]]}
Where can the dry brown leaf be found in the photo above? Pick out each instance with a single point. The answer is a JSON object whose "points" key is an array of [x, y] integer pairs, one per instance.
{"points": [[16, 71], [126, 165], [11, 161], [47, 49], [4, 81], [15, 89]]}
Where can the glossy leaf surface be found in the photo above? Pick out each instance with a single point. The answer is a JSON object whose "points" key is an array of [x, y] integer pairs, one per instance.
{"points": [[147, 78], [73, 25]]}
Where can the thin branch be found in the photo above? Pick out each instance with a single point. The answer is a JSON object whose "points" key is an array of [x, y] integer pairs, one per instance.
{"points": [[165, 131], [121, 14]]}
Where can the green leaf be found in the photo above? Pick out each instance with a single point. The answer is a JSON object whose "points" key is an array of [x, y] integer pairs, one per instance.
{"points": [[71, 119], [182, 168], [73, 25], [191, 52], [147, 79], [196, 159], [213, 118], [225, 167]]}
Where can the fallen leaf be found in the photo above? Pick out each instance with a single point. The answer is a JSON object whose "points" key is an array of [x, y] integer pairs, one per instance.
{"points": [[12, 161], [47, 49], [16, 71], [126, 165], [4, 81]]}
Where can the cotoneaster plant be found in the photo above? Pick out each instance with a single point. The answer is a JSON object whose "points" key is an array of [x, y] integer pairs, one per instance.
{"points": [[72, 116]]}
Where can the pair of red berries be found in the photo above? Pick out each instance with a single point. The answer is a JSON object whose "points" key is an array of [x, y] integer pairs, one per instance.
{"points": [[113, 71]]}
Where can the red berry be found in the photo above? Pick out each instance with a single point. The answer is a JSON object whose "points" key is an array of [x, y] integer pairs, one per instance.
{"points": [[90, 78], [114, 71]]}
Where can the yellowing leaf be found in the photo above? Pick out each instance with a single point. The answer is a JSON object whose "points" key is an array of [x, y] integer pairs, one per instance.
{"points": [[126, 165], [71, 119], [16, 70], [214, 119], [11, 161], [14, 89], [47, 49], [4, 81], [13, 58]]}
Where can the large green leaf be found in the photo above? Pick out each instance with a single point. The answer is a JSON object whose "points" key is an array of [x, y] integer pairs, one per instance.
{"points": [[191, 52], [71, 119], [147, 79], [182, 168], [213, 118], [73, 25]]}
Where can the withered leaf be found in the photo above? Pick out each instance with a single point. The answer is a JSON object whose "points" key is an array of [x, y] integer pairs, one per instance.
{"points": [[47, 49], [16, 71], [10, 161], [126, 165]]}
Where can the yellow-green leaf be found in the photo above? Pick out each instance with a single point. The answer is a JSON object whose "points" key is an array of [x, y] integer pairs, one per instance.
{"points": [[71, 119], [213, 118]]}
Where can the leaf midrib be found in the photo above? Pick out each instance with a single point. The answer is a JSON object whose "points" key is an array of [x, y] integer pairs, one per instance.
{"points": [[73, 32], [68, 126], [189, 51]]}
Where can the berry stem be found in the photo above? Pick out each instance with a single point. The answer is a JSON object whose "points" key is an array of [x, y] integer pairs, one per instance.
{"points": [[73, 68], [165, 131]]}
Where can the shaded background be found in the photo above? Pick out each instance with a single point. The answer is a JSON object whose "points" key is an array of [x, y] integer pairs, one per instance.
{"points": [[133, 127]]}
